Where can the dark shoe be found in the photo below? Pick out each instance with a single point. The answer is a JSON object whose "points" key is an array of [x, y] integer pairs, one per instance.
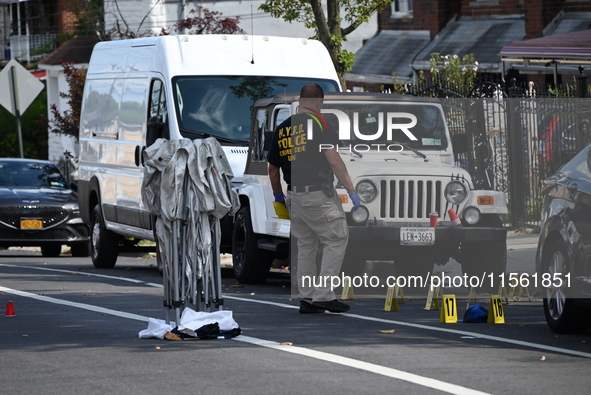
{"points": [[334, 306], [307, 308]]}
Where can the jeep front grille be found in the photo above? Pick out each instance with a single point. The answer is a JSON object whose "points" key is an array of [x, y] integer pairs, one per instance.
{"points": [[410, 199]]}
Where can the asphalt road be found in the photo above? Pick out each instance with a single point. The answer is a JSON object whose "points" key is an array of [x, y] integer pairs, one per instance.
{"points": [[76, 332]]}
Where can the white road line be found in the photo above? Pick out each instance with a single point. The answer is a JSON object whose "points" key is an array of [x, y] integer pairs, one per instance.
{"points": [[362, 317], [131, 280], [83, 306], [370, 367], [438, 329], [320, 355]]}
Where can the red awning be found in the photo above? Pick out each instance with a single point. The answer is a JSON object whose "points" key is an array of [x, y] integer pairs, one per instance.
{"points": [[573, 46]]}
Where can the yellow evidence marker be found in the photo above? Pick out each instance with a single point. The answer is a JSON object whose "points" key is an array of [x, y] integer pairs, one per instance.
{"points": [[392, 296], [496, 314], [449, 309]]}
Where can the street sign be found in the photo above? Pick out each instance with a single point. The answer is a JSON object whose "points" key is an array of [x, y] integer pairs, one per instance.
{"points": [[28, 87], [23, 88]]}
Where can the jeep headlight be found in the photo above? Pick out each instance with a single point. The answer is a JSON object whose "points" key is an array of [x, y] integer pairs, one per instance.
{"points": [[455, 192], [471, 215], [360, 215], [367, 191]]}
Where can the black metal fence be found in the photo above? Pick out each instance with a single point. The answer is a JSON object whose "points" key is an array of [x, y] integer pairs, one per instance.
{"points": [[520, 133]]}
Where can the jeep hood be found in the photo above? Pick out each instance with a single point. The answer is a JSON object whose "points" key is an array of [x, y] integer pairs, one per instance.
{"points": [[391, 168]]}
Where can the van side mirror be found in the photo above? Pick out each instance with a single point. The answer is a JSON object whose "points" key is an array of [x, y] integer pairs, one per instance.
{"points": [[268, 140], [155, 129], [460, 143]]}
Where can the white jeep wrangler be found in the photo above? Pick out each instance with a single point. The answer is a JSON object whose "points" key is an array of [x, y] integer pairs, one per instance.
{"points": [[400, 158]]}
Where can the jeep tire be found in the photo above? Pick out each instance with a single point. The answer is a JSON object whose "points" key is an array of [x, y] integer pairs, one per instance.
{"points": [[251, 265]]}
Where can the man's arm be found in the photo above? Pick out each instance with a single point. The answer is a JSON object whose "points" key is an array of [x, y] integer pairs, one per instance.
{"points": [[340, 169], [275, 177]]}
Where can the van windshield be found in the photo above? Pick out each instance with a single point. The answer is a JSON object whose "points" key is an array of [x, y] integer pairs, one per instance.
{"points": [[221, 105]]}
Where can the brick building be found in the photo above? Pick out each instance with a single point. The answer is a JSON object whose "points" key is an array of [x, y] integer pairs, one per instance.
{"points": [[410, 30], [29, 28]]}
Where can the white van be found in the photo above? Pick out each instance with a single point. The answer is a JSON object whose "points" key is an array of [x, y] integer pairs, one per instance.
{"points": [[175, 87]]}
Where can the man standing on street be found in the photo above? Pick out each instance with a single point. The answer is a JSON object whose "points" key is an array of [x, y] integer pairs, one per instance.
{"points": [[316, 212]]}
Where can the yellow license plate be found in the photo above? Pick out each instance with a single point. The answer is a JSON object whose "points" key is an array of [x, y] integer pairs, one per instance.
{"points": [[31, 224]]}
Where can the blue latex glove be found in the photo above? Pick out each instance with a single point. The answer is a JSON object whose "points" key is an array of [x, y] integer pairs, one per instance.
{"points": [[279, 197], [356, 200]]}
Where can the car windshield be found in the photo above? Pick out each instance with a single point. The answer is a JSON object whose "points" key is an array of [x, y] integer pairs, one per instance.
{"points": [[386, 122], [221, 105], [30, 175]]}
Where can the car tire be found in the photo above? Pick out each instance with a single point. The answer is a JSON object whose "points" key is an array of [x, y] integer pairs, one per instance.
{"points": [[480, 258], [251, 265], [51, 250], [561, 312], [80, 250], [104, 243]]}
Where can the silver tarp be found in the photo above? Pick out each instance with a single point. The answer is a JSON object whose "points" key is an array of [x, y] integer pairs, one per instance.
{"points": [[187, 185]]}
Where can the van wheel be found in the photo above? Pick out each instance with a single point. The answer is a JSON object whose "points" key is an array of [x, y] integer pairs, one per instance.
{"points": [[251, 265], [51, 250], [104, 243]]}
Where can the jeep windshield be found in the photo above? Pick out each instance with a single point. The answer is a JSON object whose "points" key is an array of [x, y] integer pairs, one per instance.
{"points": [[221, 106], [379, 124]]}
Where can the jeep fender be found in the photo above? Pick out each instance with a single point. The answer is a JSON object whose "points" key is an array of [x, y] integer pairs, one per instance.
{"points": [[259, 200], [498, 206]]}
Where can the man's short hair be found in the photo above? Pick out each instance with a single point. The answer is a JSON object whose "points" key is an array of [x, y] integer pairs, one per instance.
{"points": [[312, 91]]}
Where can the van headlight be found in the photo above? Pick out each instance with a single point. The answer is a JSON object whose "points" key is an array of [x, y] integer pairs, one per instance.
{"points": [[455, 192], [367, 191]]}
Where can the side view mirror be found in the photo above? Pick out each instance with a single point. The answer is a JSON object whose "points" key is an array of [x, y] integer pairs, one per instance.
{"points": [[155, 129], [74, 186], [460, 143]]}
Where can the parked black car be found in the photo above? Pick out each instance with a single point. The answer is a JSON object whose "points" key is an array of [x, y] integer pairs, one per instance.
{"points": [[563, 260], [39, 208]]}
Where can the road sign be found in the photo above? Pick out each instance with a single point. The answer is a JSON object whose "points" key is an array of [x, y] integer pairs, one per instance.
{"points": [[28, 87], [23, 88]]}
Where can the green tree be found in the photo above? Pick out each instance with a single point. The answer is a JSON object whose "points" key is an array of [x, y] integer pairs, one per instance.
{"points": [[328, 26], [458, 72]]}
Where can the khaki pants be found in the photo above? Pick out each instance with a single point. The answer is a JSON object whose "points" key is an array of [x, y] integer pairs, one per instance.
{"points": [[317, 219]]}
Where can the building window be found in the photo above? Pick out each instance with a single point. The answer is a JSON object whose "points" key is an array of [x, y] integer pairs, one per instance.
{"points": [[401, 8]]}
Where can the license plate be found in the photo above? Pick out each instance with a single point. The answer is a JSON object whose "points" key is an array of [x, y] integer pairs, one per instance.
{"points": [[417, 236], [31, 224]]}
